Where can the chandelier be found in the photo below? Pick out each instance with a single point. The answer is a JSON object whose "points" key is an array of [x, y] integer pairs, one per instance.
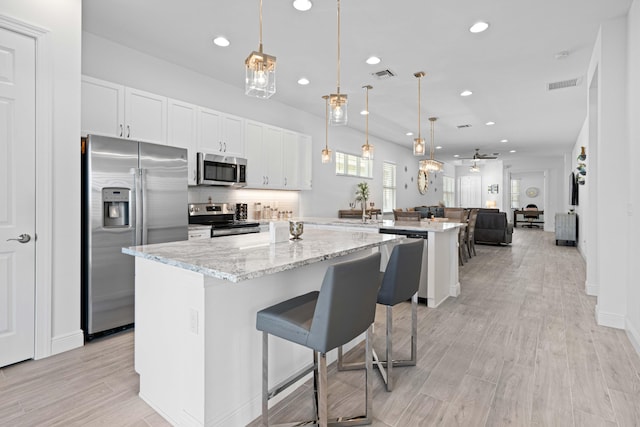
{"points": [[260, 78], [431, 164], [367, 149]]}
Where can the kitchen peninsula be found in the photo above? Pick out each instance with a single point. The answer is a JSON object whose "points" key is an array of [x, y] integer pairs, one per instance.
{"points": [[196, 347]]}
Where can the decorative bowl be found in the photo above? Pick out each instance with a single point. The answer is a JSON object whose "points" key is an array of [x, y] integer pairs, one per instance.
{"points": [[295, 229]]}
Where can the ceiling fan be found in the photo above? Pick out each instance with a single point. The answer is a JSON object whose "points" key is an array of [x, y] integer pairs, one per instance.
{"points": [[478, 156]]}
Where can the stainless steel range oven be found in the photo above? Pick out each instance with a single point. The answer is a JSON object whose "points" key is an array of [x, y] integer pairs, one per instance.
{"points": [[221, 218]]}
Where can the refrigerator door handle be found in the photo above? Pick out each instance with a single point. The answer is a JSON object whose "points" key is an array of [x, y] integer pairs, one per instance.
{"points": [[143, 203], [137, 206]]}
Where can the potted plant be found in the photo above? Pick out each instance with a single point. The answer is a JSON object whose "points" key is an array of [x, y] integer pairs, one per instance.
{"points": [[362, 195]]}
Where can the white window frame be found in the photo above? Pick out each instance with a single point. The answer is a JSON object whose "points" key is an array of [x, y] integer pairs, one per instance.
{"points": [[389, 186], [342, 165], [448, 191]]}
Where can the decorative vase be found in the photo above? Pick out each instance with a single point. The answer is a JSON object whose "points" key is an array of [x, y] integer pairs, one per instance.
{"points": [[582, 156]]}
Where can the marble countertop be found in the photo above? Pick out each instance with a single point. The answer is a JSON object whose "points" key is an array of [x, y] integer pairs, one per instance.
{"points": [[424, 224], [244, 257]]}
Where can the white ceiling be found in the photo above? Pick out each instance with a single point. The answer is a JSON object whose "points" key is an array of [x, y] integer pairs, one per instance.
{"points": [[507, 67]]}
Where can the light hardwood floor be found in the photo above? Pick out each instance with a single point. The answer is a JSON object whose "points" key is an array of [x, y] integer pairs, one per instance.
{"points": [[519, 347]]}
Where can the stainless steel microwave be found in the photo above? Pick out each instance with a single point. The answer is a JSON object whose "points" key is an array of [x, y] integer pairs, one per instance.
{"points": [[221, 170]]}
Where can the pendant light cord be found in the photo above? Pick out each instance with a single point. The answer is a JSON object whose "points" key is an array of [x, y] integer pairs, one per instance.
{"points": [[260, 26], [419, 92], [367, 118], [326, 122], [338, 81]]}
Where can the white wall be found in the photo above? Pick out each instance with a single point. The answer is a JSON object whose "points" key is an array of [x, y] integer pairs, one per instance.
{"points": [[491, 172], [609, 64], [583, 207], [531, 180], [63, 19], [633, 113], [106, 60]]}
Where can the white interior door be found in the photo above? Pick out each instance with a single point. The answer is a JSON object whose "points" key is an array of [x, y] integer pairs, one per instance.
{"points": [[17, 197]]}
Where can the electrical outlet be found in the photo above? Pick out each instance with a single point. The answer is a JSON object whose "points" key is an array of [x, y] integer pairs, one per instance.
{"points": [[193, 321]]}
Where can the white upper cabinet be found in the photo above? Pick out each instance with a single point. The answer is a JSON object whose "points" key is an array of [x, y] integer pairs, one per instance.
{"points": [[102, 108], [291, 160], [182, 132], [115, 110], [277, 158], [220, 133], [145, 116]]}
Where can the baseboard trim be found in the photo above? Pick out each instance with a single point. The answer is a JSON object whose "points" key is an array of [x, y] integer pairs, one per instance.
{"points": [[634, 336], [591, 289], [67, 342], [611, 320]]}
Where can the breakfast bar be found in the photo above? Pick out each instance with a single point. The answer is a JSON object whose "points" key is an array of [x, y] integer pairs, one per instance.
{"points": [[196, 346]]}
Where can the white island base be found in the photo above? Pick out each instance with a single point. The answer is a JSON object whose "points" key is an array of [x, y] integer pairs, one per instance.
{"points": [[197, 349]]}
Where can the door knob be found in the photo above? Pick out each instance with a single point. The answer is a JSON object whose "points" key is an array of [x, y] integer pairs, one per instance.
{"points": [[23, 238]]}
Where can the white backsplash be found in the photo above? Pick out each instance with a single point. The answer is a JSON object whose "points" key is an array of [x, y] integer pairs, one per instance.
{"points": [[283, 200]]}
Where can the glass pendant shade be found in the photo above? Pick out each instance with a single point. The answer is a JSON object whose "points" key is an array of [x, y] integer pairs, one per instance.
{"points": [[338, 109], [326, 155], [418, 147], [260, 79], [474, 168], [367, 151], [261, 75]]}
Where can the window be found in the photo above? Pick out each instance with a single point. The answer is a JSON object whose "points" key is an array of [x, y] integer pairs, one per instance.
{"points": [[388, 187], [352, 165], [515, 193], [448, 191]]}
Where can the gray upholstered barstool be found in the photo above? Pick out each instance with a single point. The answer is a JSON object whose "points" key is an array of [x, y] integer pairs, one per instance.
{"points": [[343, 309], [398, 283]]}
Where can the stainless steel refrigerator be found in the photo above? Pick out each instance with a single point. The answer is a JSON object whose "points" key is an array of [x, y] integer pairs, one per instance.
{"points": [[133, 193]]}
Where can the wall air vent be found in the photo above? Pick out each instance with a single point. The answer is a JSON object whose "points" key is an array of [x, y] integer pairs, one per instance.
{"points": [[564, 84], [463, 126], [383, 74]]}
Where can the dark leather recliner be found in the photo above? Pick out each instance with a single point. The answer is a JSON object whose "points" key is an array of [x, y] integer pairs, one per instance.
{"points": [[493, 227]]}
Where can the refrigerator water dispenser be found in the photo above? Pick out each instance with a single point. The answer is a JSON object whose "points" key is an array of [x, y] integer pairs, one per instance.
{"points": [[115, 212]]}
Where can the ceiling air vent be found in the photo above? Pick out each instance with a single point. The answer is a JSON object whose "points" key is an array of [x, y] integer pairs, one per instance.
{"points": [[463, 126], [384, 74], [564, 84]]}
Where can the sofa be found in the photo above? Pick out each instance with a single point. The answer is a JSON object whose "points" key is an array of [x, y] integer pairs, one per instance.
{"points": [[492, 227], [429, 211]]}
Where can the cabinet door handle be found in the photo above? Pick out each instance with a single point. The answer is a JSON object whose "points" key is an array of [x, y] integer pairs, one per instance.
{"points": [[220, 142], [285, 181], [267, 180], [225, 147], [121, 129], [128, 131]]}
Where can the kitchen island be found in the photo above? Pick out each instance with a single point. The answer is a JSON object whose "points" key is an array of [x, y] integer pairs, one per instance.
{"points": [[439, 274], [196, 347]]}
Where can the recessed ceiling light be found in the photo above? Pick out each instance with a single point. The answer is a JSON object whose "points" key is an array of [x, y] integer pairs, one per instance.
{"points": [[479, 27], [504, 140], [439, 147], [303, 81], [302, 5], [456, 155], [221, 41], [364, 112], [562, 54], [512, 151], [466, 93], [490, 123], [409, 133], [373, 60]]}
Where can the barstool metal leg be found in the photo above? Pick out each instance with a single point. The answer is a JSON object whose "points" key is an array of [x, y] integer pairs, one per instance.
{"points": [[265, 379], [389, 373], [322, 391]]}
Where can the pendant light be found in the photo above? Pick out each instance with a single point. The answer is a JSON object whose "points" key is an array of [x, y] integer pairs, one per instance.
{"points": [[431, 164], [418, 143], [367, 149], [337, 100], [326, 153], [475, 167], [260, 71]]}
